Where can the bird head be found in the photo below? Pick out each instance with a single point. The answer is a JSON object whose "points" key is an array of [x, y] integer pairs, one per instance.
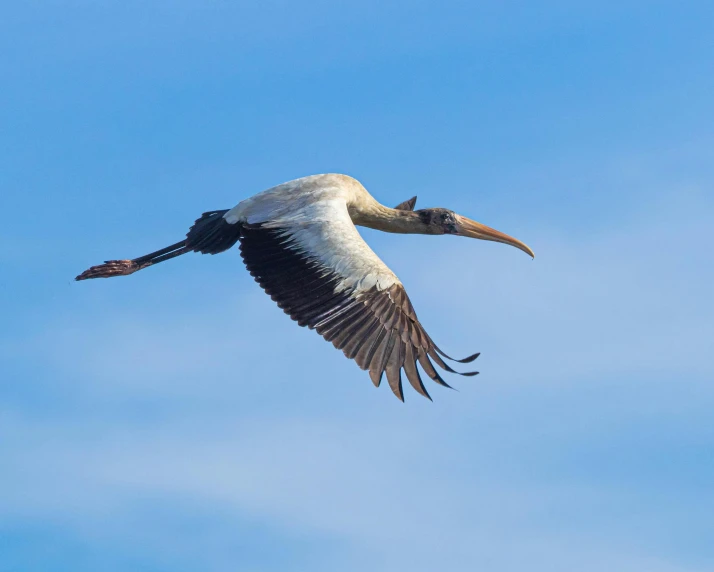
{"points": [[445, 221]]}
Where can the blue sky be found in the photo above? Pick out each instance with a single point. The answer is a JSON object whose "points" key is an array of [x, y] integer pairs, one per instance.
{"points": [[174, 420]]}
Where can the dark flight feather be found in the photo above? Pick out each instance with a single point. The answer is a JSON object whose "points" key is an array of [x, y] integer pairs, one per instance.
{"points": [[377, 328]]}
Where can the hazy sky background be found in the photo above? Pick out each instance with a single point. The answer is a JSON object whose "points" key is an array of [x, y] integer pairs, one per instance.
{"points": [[176, 420]]}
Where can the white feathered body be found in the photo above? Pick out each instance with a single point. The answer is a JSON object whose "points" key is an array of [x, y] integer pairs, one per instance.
{"points": [[317, 213]]}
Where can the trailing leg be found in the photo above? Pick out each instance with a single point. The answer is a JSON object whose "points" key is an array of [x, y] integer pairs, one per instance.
{"points": [[210, 234]]}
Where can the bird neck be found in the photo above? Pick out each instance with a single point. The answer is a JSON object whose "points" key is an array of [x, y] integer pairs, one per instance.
{"points": [[383, 218]]}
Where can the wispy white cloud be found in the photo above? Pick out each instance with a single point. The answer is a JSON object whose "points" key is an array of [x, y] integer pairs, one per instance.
{"points": [[384, 491]]}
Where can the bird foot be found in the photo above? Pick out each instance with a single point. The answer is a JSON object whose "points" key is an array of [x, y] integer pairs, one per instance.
{"points": [[112, 268]]}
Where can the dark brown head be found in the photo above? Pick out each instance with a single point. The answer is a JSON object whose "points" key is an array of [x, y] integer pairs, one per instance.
{"points": [[445, 221], [438, 221]]}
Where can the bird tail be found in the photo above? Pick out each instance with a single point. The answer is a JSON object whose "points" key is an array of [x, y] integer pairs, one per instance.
{"points": [[210, 234]]}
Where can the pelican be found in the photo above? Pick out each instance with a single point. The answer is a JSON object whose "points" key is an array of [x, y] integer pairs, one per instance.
{"points": [[299, 241]]}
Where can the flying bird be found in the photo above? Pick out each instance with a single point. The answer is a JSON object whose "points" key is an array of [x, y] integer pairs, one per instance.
{"points": [[299, 241]]}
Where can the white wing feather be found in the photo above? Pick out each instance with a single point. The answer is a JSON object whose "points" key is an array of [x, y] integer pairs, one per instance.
{"points": [[313, 212]]}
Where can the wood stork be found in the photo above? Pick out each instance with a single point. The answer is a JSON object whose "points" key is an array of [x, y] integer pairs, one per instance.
{"points": [[299, 241]]}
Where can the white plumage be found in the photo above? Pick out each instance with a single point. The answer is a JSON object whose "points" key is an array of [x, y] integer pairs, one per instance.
{"points": [[314, 213]]}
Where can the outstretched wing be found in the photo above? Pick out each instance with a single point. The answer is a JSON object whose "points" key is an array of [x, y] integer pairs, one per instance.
{"points": [[324, 276]]}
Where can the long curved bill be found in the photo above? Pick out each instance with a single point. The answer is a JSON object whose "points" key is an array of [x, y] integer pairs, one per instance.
{"points": [[473, 229]]}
